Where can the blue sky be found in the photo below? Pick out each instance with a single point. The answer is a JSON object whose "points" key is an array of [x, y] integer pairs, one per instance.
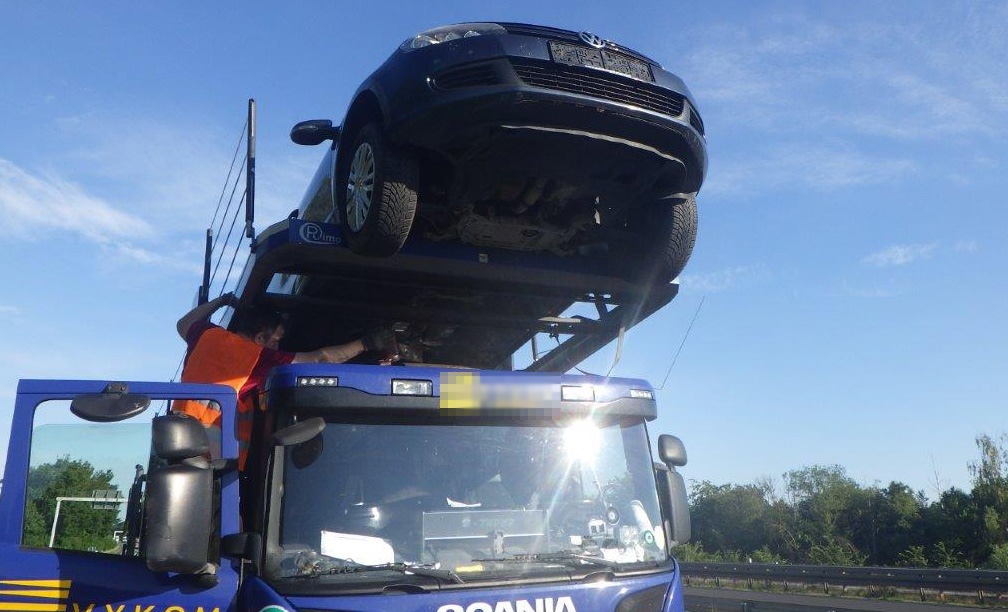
{"points": [[852, 250]]}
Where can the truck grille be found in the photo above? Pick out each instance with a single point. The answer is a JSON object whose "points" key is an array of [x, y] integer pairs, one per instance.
{"points": [[597, 84], [473, 75]]}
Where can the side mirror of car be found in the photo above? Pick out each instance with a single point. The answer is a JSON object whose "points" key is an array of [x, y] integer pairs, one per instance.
{"points": [[314, 131]]}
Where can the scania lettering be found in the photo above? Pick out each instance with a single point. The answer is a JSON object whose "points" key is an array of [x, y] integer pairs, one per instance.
{"points": [[562, 604]]}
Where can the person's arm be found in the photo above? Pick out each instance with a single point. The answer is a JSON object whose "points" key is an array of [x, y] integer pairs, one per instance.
{"points": [[378, 339], [202, 313], [331, 354]]}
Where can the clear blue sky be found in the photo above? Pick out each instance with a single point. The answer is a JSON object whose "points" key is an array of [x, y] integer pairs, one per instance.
{"points": [[852, 245]]}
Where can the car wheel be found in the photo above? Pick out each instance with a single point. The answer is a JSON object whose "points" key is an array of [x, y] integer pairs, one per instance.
{"points": [[376, 194], [671, 239]]}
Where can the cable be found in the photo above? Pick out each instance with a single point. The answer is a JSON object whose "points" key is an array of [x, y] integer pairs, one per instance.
{"points": [[681, 344], [231, 169], [177, 369], [227, 240], [234, 188], [619, 350], [230, 267]]}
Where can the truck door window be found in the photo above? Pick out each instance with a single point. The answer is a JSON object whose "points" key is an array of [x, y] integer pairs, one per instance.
{"points": [[80, 478]]}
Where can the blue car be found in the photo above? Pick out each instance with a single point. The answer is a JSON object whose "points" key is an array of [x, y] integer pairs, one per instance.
{"points": [[519, 137]]}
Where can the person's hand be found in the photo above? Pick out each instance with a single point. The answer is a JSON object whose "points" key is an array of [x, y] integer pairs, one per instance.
{"points": [[380, 339], [228, 299]]}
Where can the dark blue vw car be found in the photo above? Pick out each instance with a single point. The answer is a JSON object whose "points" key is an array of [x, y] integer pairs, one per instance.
{"points": [[521, 137]]}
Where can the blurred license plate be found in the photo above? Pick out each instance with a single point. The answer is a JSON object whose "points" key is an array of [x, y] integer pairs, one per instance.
{"points": [[575, 55]]}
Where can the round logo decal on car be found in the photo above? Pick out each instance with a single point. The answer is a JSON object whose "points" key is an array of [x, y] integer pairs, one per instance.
{"points": [[592, 39]]}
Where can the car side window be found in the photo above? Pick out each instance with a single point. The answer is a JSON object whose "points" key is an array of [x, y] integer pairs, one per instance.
{"points": [[85, 482]]}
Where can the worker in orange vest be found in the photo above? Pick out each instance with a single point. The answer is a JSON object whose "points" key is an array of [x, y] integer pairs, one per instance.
{"points": [[241, 359]]}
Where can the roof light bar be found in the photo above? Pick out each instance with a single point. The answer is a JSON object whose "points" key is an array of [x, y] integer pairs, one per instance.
{"points": [[317, 381]]}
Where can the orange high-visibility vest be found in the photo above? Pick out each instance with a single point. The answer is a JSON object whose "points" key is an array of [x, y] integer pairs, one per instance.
{"points": [[226, 358]]}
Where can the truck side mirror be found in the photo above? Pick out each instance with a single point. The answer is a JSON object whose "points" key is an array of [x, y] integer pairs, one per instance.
{"points": [[179, 502], [299, 432], [672, 490], [313, 132], [113, 404], [177, 437], [671, 451]]}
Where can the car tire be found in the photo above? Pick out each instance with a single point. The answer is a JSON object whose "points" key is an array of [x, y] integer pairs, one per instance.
{"points": [[376, 194], [671, 237]]}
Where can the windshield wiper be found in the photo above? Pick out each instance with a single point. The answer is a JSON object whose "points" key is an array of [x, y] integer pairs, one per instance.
{"points": [[332, 566], [411, 568], [570, 558]]}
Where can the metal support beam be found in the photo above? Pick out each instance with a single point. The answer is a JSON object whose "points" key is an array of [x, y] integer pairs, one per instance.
{"points": [[250, 154]]}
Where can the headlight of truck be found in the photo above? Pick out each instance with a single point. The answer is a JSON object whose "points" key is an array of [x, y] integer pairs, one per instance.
{"points": [[446, 33]]}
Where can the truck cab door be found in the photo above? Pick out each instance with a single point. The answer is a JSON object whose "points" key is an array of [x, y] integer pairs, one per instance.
{"points": [[72, 505]]}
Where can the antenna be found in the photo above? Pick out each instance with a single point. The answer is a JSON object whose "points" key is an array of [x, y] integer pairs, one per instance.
{"points": [[681, 344]]}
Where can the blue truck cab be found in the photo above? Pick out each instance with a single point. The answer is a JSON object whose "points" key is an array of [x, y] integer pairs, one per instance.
{"points": [[377, 488]]}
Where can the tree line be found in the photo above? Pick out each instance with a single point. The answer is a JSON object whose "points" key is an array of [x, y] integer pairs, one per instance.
{"points": [[823, 517], [82, 526]]}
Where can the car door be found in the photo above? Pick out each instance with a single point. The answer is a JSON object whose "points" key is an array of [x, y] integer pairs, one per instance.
{"points": [[71, 505]]}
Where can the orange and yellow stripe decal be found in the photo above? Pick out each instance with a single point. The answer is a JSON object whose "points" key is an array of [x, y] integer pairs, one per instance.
{"points": [[56, 591]]}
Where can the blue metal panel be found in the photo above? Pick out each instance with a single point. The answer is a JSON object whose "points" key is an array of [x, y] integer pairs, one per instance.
{"points": [[376, 380], [601, 596], [519, 391]]}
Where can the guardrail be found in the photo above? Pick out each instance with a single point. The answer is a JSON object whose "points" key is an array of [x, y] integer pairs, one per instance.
{"points": [[941, 581]]}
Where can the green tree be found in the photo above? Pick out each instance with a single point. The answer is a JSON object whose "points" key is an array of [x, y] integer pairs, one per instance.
{"points": [[953, 521], [990, 495], [914, 556], [732, 519], [830, 512], [999, 558], [81, 526], [896, 523]]}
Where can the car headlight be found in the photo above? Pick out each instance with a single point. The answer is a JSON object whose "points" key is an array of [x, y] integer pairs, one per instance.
{"points": [[446, 33]]}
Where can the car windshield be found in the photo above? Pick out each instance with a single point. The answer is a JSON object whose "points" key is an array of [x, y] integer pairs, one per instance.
{"points": [[468, 496]]}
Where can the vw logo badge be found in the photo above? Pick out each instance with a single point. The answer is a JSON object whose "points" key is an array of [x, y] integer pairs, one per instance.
{"points": [[592, 39]]}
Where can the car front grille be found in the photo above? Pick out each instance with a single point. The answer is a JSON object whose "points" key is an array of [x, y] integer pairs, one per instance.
{"points": [[523, 29], [598, 84], [473, 75], [695, 120]]}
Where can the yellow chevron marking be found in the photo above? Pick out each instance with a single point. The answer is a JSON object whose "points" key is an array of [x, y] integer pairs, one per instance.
{"points": [[33, 607], [48, 594], [52, 584]]}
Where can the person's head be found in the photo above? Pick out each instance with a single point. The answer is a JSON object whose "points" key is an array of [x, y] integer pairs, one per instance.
{"points": [[264, 327]]}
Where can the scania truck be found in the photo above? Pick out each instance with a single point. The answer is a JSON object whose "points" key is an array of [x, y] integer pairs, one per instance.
{"points": [[461, 478], [368, 487]]}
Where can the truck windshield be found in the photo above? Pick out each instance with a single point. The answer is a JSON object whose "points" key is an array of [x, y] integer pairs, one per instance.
{"points": [[473, 496]]}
